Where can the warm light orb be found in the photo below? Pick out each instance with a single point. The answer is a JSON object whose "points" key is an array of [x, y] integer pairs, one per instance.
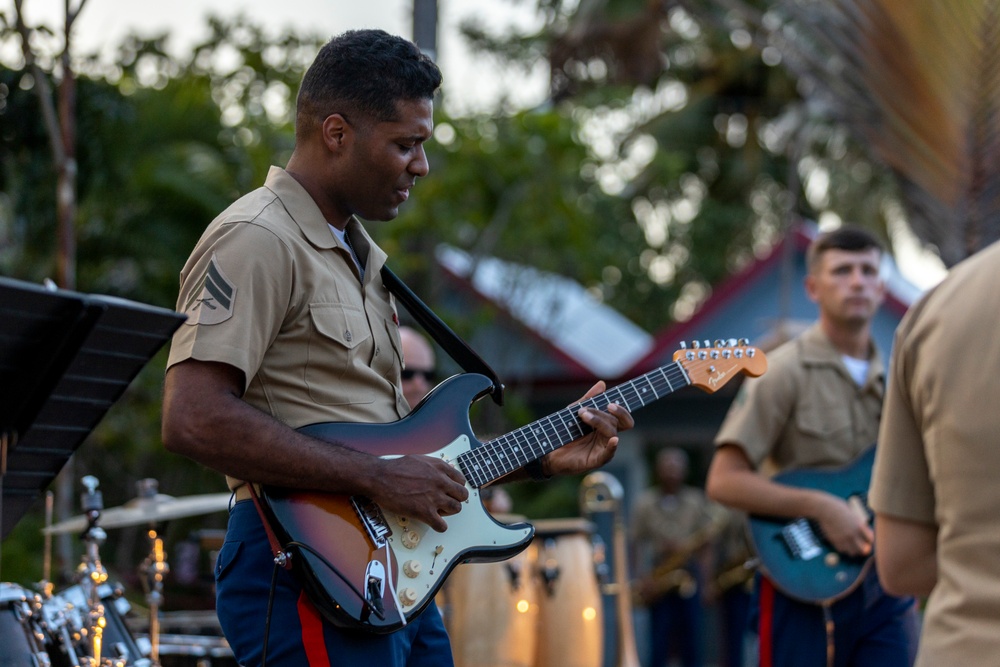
{"points": [[589, 613], [522, 606]]}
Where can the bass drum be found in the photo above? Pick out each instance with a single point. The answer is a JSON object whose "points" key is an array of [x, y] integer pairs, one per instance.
{"points": [[571, 619], [491, 611], [71, 639], [21, 634]]}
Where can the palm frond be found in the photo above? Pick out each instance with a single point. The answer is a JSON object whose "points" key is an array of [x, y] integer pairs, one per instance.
{"points": [[918, 81]]}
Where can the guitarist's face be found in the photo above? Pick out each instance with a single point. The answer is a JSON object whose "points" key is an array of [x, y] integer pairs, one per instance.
{"points": [[847, 285]]}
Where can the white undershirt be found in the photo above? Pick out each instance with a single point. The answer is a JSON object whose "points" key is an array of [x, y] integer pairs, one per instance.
{"points": [[858, 368], [341, 235]]}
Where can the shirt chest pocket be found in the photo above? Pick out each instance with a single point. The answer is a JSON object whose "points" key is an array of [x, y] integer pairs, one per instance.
{"points": [[337, 354], [824, 432]]}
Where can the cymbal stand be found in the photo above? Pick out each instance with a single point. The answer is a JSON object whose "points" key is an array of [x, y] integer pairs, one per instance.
{"points": [[153, 570], [91, 572]]}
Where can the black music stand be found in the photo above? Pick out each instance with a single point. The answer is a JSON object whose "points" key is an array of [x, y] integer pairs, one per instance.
{"points": [[65, 358]]}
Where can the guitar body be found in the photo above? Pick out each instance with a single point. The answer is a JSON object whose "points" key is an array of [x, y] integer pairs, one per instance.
{"points": [[793, 553], [356, 551]]}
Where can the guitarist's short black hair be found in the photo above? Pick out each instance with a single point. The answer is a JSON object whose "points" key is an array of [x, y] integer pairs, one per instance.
{"points": [[849, 238], [362, 75]]}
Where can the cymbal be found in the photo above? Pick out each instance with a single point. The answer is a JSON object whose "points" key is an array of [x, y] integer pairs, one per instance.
{"points": [[140, 511]]}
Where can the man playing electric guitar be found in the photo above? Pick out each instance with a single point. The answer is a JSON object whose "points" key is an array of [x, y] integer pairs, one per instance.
{"points": [[817, 407], [290, 324]]}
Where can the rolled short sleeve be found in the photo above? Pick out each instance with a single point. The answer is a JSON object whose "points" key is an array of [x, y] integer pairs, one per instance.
{"points": [[901, 482]]}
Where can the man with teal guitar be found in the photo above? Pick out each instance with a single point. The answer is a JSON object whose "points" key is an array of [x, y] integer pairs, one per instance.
{"points": [[817, 409]]}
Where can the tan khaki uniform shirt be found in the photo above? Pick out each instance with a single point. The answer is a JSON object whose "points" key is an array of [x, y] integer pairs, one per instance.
{"points": [[269, 290], [938, 460], [806, 411]]}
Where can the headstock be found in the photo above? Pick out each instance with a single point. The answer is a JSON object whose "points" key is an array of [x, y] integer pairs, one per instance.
{"points": [[711, 367]]}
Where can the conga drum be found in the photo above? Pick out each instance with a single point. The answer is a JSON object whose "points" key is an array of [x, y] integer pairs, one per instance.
{"points": [[570, 624], [491, 612]]}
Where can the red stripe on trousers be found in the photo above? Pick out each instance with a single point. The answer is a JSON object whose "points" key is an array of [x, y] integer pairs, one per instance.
{"points": [[312, 634], [766, 628]]}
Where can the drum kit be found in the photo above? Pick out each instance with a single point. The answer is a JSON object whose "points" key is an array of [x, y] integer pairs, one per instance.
{"points": [[548, 606], [86, 624]]}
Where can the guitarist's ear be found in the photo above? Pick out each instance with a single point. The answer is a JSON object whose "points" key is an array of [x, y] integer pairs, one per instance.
{"points": [[336, 132]]}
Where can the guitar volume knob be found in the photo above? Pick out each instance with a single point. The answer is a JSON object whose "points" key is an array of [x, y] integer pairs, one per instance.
{"points": [[407, 596], [410, 539], [412, 568]]}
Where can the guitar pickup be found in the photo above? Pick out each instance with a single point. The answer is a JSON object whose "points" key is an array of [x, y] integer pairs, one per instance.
{"points": [[372, 519], [801, 540]]}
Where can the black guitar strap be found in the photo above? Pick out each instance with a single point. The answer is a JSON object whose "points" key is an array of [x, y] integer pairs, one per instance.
{"points": [[452, 343]]}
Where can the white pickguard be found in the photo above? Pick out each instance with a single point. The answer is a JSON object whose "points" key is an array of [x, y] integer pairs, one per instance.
{"points": [[425, 555]]}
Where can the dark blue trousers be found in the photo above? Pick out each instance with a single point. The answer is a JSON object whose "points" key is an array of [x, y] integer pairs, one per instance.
{"points": [[298, 635], [870, 628], [675, 627]]}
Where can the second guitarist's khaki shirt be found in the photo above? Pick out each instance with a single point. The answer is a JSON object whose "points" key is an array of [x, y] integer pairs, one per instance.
{"points": [[806, 411], [269, 290]]}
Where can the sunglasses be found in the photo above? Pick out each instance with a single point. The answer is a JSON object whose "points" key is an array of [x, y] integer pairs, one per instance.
{"points": [[410, 373]]}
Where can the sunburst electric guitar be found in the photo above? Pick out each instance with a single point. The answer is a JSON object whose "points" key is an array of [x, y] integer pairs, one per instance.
{"points": [[368, 568]]}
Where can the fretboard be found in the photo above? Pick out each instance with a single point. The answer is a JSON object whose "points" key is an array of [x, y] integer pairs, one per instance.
{"points": [[502, 456]]}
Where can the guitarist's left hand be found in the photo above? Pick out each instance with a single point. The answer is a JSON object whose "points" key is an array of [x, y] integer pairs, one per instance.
{"points": [[595, 448]]}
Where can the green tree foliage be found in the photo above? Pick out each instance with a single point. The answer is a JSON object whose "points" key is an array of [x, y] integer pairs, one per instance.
{"points": [[164, 145], [727, 147]]}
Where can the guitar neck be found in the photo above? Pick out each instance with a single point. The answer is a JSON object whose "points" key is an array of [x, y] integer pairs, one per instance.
{"points": [[502, 456]]}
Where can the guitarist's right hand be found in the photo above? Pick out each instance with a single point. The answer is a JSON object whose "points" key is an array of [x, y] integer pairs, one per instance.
{"points": [[424, 488], [846, 529]]}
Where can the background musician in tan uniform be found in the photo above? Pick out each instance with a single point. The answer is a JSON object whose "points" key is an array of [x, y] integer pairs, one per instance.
{"points": [[818, 406], [290, 324], [934, 488], [672, 529]]}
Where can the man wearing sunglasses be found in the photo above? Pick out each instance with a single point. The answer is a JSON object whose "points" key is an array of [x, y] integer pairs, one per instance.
{"points": [[417, 376]]}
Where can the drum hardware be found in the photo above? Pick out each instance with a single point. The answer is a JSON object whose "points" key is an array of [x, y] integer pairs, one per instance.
{"points": [[91, 573], [601, 500], [514, 572], [85, 624], [153, 569], [548, 568], [21, 631], [82, 639]]}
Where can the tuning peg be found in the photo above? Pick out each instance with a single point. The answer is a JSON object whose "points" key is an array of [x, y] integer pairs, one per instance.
{"points": [[695, 345], [743, 342], [707, 343]]}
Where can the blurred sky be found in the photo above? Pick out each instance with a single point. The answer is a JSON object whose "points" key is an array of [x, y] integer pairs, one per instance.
{"points": [[472, 83]]}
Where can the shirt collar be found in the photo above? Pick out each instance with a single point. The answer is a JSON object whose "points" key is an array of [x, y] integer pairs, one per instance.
{"points": [[306, 214], [817, 349]]}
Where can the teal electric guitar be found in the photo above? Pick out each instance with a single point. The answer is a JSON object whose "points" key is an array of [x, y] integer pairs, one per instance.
{"points": [[793, 552]]}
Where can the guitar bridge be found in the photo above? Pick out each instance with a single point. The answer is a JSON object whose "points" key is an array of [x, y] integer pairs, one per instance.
{"points": [[801, 540], [372, 519]]}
